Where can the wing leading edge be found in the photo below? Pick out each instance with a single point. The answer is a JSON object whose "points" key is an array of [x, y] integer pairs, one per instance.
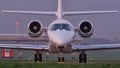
{"points": [[25, 47], [95, 47]]}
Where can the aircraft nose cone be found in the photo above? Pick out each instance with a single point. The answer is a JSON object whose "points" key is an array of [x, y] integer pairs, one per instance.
{"points": [[60, 42], [60, 37]]}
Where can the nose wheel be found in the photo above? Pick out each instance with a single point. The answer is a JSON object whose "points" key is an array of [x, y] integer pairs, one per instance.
{"points": [[82, 57], [38, 57]]}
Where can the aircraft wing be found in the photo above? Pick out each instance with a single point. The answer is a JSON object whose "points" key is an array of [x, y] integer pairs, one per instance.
{"points": [[88, 12], [25, 47], [95, 47], [30, 12]]}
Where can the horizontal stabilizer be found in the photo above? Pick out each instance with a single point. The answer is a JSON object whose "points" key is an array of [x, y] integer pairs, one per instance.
{"points": [[30, 12], [88, 12]]}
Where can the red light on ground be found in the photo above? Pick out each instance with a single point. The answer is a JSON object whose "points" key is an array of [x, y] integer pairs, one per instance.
{"points": [[7, 53]]}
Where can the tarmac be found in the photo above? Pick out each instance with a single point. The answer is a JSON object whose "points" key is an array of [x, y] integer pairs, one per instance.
{"points": [[74, 62]]}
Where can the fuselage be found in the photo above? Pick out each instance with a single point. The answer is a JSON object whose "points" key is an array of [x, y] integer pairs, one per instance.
{"points": [[60, 33]]}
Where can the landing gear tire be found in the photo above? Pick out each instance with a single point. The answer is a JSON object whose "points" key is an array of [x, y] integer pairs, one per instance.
{"points": [[58, 59], [38, 57], [61, 59], [35, 57], [82, 58]]}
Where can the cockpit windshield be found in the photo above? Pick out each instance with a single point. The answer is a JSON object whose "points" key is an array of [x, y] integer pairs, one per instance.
{"points": [[61, 26]]}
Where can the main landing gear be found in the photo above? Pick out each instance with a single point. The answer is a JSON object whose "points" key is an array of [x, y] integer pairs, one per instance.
{"points": [[82, 57], [38, 57]]}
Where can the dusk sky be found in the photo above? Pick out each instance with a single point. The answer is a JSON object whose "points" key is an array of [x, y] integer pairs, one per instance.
{"points": [[105, 25]]}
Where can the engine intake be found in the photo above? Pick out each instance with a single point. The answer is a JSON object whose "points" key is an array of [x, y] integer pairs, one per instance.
{"points": [[85, 29], [35, 28]]}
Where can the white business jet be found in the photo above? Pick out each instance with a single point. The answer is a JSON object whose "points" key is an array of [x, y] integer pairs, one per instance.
{"points": [[60, 33]]}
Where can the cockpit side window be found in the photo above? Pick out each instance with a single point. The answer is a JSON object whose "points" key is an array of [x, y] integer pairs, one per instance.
{"points": [[61, 27]]}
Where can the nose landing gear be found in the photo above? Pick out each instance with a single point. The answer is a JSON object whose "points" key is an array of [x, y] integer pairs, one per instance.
{"points": [[61, 57]]}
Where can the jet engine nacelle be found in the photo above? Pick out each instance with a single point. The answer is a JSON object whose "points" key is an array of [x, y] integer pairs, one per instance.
{"points": [[85, 29], [35, 29]]}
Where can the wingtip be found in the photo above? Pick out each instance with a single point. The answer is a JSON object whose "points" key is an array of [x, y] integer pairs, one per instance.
{"points": [[2, 11], [117, 10]]}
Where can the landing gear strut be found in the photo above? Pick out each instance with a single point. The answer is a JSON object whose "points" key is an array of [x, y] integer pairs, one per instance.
{"points": [[82, 57], [38, 57]]}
